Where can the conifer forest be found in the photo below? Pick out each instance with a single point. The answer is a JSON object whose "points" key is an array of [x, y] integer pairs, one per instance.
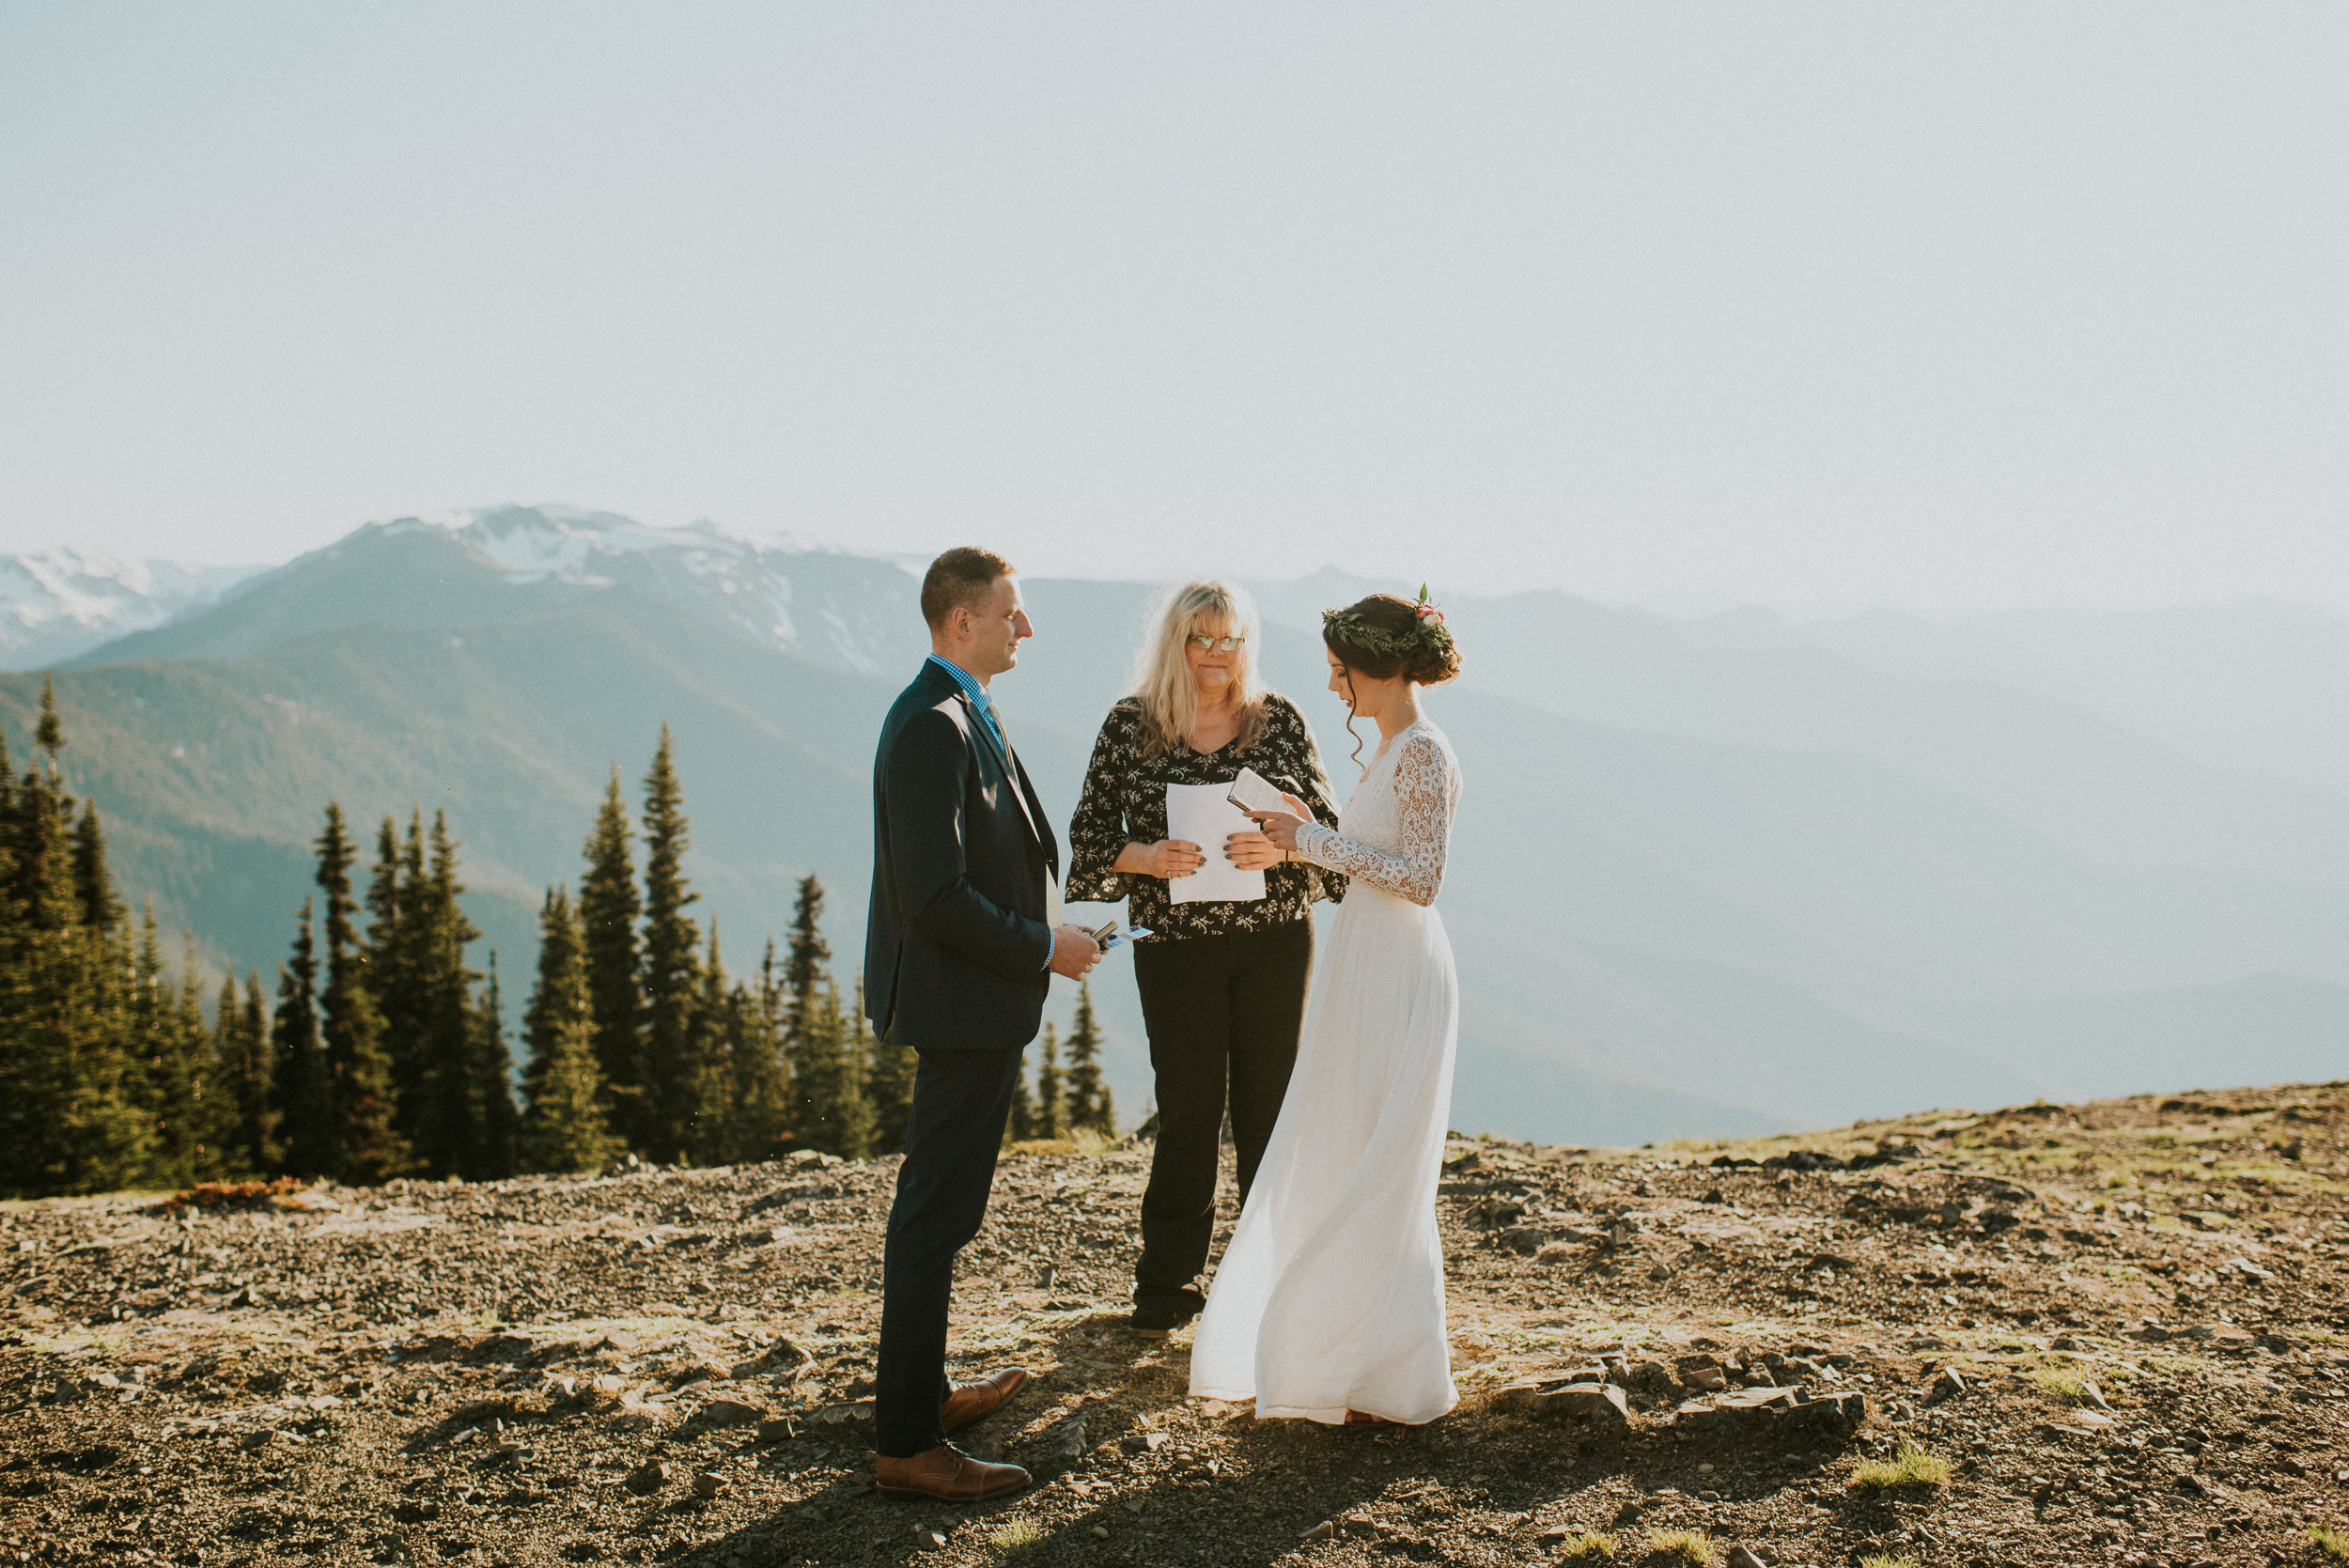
{"points": [[378, 1051]]}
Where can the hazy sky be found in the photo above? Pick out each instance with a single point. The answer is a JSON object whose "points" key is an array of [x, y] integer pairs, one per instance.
{"points": [[1947, 306]]}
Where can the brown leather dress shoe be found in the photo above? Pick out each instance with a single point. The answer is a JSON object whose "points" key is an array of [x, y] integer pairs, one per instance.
{"points": [[970, 1401], [947, 1474]]}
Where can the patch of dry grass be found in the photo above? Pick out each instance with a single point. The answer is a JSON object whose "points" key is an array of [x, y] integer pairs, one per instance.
{"points": [[1911, 1465], [1590, 1547], [1692, 1548], [1015, 1538]]}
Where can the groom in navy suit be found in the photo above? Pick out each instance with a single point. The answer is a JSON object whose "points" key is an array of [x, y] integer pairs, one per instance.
{"points": [[963, 937]]}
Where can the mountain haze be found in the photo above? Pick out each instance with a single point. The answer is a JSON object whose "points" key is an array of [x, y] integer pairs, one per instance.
{"points": [[1711, 876]]}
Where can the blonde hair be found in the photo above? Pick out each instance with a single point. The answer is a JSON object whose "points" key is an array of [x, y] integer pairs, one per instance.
{"points": [[1161, 680]]}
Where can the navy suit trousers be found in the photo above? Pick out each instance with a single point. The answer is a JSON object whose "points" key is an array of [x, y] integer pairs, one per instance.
{"points": [[961, 1100]]}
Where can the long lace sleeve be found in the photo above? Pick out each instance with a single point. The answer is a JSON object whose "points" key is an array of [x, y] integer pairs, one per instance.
{"points": [[1293, 763], [1424, 789]]}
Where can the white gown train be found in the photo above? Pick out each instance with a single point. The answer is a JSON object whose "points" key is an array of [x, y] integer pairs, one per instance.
{"points": [[1329, 1296]]}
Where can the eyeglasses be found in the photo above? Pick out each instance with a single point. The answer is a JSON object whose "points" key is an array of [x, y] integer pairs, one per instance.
{"points": [[1205, 643]]}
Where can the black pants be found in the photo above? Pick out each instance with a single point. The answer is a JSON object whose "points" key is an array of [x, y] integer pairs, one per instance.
{"points": [[961, 1099], [1221, 1012]]}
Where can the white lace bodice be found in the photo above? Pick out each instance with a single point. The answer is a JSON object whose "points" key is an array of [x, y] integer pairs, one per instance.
{"points": [[1396, 827]]}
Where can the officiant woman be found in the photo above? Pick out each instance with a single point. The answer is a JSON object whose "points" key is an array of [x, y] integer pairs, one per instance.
{"points": [[1223, 982]]}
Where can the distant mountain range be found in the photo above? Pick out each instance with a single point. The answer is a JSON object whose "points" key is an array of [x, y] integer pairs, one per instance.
{"points": [[60, 603], [1720, 875]]}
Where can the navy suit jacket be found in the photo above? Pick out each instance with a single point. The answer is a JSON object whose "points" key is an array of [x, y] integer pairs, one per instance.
{"points": [[955, 941]]}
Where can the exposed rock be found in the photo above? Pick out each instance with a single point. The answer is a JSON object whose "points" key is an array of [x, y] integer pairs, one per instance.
{"points": [[1600, 1405], [729, 1412]]}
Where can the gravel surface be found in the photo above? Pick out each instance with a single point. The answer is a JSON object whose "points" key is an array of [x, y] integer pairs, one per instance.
{"points": [[2121, 1330]]}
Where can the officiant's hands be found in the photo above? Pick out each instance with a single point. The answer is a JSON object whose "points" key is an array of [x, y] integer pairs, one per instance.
{"points": [[1251, 851], [1074, 952], [1280, 827], [1169, 858]]}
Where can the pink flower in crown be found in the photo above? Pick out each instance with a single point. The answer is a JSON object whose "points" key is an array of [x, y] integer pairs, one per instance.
{"points": [[1427, 611]]}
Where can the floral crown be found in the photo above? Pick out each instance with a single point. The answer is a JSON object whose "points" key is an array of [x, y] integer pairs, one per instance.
{"points": [[1427, 634]]}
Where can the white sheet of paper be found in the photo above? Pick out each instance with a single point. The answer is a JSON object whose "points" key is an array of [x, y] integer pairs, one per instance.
{"points": [[1200, 815]]}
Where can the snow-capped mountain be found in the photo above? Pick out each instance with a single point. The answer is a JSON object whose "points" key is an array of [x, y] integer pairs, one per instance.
{"points": [[59, 603], [790, 593], [843, 612]]}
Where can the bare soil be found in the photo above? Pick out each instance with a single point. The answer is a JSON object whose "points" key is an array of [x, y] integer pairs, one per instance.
{"points": [[2123, 1326]]}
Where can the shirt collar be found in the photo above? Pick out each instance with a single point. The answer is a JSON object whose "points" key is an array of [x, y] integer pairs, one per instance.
{"points": [[970, 688]]}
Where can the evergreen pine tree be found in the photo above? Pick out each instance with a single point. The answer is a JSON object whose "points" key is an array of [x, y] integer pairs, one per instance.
{"points": [[48, 730], [711, 1038], [608, 908], [828, 1111], [452, 1112], [774, 991], [171, 1098], [93, 884], [246, 1055], [760, 1087], [805, 970], [8, 861], [368, 1145], [303, 1093], [564, 1128], [828, 1108], [392, 965], [17, 1077], [225, 1121], [209, 1121], [1089, 1106], [1019, 1125], [73, 1100], [888, 1077], [494, 1142], [45, 895], [770, 1121], [673, 1072], [1051, 1105]]}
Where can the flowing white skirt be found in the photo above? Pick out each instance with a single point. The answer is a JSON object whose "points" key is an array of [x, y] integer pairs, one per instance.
{"points": [[1331, 1295]]}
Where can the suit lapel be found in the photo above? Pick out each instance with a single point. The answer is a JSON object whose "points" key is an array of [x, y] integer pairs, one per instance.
{"points": [[1002, 749]]}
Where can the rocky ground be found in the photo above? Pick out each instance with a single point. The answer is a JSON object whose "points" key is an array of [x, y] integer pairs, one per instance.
{"points": [[2116, 1333]]}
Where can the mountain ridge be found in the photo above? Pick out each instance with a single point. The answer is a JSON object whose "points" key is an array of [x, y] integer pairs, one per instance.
{"points": [[1699, 881], [56, 604]]}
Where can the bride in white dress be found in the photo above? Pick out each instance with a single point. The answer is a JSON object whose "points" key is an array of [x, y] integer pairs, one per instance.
{"points": [[1329, 1303]]}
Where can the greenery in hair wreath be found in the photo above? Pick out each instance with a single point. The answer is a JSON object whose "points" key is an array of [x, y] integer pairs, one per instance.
{"points": [[1427, 634]]}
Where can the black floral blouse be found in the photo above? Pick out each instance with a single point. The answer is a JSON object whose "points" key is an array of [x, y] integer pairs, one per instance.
{"points": [[1125, 803]]}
